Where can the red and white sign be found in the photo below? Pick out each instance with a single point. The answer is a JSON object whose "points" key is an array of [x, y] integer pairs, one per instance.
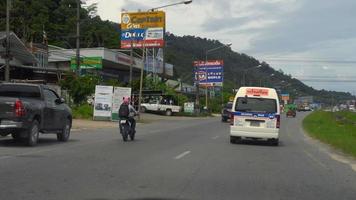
{"points": [[125, 44], [256, 92]]}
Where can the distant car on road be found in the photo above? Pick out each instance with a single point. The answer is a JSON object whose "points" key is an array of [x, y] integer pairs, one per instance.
{"points": [[27, 110], [226, 112], [290, 110], [291, 113]]}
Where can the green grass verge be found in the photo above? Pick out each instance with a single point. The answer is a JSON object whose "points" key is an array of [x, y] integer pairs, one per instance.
{"points": [[337, 129], [84, 111]]}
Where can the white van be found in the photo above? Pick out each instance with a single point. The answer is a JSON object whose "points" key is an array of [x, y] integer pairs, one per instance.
{"points": [[255, 115]]}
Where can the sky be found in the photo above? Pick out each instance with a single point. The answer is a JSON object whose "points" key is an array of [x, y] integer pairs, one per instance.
{"points": [[313, 40]]}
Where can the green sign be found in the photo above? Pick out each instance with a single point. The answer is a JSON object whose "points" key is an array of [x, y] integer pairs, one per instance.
{"points": [[87, 63]]}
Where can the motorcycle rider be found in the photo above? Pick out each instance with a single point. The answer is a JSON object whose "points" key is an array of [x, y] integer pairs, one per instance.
{"points": [[127, 111]]}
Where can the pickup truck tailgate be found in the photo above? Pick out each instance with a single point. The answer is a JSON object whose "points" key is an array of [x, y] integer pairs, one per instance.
{"points": [[7, 107]]}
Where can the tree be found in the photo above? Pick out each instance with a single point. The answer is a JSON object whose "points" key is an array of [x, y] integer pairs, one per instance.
{"points": [[81, 87]]}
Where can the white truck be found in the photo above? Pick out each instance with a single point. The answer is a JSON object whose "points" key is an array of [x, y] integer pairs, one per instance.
{"points": [[156, 106]]}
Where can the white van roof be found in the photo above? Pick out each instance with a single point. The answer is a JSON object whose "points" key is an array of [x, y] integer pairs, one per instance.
{"points": [[262, 92]]}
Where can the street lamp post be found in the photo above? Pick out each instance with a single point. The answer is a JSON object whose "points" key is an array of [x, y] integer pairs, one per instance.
{"points": [[164, 30], [244, 73], [206, 70], [173, 4]]}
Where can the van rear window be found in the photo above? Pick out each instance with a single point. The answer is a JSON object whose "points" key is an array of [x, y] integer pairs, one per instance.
{"points": [[259, 105], [19, 91]]}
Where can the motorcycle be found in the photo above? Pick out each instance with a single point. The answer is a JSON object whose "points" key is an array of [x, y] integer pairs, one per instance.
{"points": [[126, 130]]}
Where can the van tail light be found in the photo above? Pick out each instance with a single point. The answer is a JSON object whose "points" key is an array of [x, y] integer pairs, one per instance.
{"points": [[278, 121], [19, 109], [232, 119]]}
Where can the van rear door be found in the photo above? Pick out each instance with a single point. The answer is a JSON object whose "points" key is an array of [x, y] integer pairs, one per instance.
{"points": [[251, 112]]}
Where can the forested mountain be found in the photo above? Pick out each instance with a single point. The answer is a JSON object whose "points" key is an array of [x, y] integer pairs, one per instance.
{"points": [[31, 20], [182, 51]]}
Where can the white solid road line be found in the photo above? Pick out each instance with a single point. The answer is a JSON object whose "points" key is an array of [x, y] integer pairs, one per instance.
{"points": [[182, 155], [215, 137]]}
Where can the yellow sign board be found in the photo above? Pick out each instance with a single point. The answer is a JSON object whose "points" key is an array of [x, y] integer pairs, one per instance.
{"points": [[143, 20]]}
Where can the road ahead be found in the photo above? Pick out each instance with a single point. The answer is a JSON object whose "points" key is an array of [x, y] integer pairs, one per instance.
{"points": [[182, 159]]}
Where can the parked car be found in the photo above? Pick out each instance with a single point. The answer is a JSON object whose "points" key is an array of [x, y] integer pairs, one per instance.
{"points": [[226, 112], [159, 107], [27, 110]]}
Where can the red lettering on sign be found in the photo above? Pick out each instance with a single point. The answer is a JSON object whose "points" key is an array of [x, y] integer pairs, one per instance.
{"points": [[257, 92]]}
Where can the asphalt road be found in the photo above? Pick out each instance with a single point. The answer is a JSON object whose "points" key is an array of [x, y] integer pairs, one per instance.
{"points": [[174, 159]]}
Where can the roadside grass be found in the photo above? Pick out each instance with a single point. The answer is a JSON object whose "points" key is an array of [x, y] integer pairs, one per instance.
{"points": [[83, 111], [335, 128]]}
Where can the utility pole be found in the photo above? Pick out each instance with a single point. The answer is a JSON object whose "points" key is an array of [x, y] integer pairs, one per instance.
{"points": [[141, 79], [206, 81], [78, 38], [7, 54], [131, 62], [197, 97]]}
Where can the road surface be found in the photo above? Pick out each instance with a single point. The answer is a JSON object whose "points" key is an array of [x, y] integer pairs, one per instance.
{"points": [[174, 159]]}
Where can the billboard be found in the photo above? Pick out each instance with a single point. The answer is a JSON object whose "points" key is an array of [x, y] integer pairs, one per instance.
{"points": [[103, 102], [209, 73], [87, 63], [119, 93], [142, 29]]}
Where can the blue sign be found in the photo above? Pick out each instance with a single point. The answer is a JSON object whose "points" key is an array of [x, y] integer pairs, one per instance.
{"points": [[134, 34], [209, 73]]}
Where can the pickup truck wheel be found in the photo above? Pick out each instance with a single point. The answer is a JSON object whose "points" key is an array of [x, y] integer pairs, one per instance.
{"points": [[168, 112], [33, 134], [63, 136], [143, 109]]}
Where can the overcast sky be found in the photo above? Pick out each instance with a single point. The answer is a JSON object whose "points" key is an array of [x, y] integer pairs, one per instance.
{"points": [[309, 39]]}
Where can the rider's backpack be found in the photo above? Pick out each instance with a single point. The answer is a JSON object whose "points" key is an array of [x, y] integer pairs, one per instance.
{"points": [[124, 110]]}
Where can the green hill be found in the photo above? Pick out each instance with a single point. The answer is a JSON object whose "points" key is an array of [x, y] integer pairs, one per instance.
{"points": [[182, 51]]}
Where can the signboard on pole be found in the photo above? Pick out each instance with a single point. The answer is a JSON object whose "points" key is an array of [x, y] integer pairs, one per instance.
{"points": [[119, 93], [142, 29], [210, 73], [285, 97], [87, 63], [103, 102], [189, 107]]}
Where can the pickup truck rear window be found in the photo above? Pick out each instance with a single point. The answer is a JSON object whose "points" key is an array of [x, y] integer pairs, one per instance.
{"points": [[20, 91]]}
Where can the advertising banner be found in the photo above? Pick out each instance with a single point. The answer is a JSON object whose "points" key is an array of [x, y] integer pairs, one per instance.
{"points": [[103, 102], [210, 73], [142, 29], [189, 107], [119, 93], [87, 63]]}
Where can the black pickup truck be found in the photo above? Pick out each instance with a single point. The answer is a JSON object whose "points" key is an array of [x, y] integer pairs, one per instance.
{"points": [[27, 110]]}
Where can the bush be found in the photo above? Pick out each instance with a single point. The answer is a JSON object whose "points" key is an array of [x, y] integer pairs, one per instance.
{"points": [[84, 111], [79, 87]]}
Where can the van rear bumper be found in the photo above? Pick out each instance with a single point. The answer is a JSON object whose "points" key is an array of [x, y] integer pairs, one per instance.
{"points": [[264, 133]]}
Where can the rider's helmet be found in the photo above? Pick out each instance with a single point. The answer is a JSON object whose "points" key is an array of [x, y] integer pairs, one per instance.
{"points": [[126, 100]]}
